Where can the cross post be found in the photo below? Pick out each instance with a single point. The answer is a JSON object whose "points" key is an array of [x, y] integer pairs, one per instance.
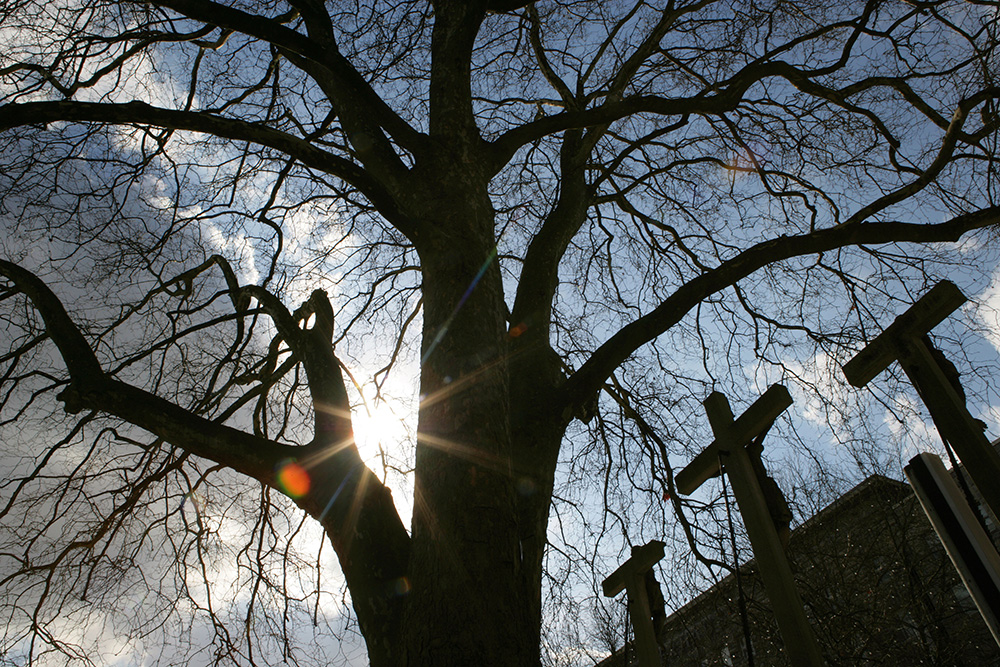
{"points": [[631, 577], [905, 341], [731, 439]]}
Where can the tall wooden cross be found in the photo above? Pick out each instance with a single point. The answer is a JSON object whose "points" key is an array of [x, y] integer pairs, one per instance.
{"points": [[731, 440], [631, 577], [905, 341]]}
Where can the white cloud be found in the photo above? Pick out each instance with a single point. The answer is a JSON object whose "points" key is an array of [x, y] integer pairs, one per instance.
{"points": [[237, 246], [988, 312], [915, 434], [818, 383]]}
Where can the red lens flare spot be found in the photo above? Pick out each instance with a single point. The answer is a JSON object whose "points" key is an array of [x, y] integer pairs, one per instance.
{"points": [[293, 479]]}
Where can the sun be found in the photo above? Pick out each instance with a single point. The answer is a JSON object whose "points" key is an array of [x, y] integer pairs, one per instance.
{"points": [[380, 427]]}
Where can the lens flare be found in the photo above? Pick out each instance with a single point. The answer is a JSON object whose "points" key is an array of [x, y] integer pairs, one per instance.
{"points": [[399, 587], [293, 479], [195, 500]]}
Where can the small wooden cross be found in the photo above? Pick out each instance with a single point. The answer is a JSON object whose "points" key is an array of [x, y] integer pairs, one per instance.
{"points": [[631, 576], [731, 439], [905, 341]]}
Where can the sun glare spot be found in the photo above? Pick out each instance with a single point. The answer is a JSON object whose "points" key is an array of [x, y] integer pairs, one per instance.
{"points": [[378, 427], [293, 479]]}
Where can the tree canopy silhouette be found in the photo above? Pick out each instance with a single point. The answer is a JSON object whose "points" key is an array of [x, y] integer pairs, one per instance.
{"points": [[560, 222]]}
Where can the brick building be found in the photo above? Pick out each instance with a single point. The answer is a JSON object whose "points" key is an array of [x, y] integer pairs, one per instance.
{"points": [[877, 586]]}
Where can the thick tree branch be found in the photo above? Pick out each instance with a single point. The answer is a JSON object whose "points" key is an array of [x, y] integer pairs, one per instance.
{"points": [[37, 113], [631, 337], [451, 117], [367, 139], [140, 113], [92, 389], [534, 33], [356, 510], [362, 112], [504, 6], [317, 47], [539, 274], [507, 144], [314, 348], [728, 97]]}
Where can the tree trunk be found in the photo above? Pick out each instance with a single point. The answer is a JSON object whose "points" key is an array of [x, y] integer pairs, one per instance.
{"points": [[468, 604]]}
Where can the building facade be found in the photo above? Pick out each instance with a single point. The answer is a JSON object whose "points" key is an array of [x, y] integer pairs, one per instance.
{"points": [[877, 586]]}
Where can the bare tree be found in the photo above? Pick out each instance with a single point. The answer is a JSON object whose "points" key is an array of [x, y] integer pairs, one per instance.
{"points": [[554, 210]]}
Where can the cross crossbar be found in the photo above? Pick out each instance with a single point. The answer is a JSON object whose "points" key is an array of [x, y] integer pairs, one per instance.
{"points": [[757, 418], [929, 311], [644, 558]]}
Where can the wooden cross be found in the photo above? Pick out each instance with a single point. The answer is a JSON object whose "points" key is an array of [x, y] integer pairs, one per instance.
{"points": [[731, 439], [905, 341], [631, 576]]}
